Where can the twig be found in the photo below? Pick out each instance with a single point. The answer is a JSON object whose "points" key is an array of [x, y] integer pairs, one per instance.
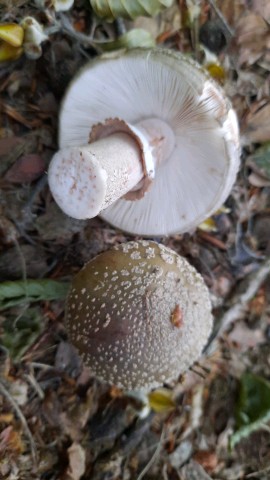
{"points": [[221, 17], [63, 24], [22, 259], [213, 240], [31, 379], [259, 474], [67, 27], [154, 457], [19, 413], [240, 302], [197, 372], [41, 366]]}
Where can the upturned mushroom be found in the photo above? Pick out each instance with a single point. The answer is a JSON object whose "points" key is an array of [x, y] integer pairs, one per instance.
{"points": [[139, 315], [148, 141]]}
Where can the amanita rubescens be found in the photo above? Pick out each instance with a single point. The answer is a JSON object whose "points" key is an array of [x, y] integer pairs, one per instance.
{"points": [[148, 140], [139, 315]]}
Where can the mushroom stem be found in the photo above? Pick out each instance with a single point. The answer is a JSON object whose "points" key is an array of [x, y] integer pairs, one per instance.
{"points": [[85, 180]]}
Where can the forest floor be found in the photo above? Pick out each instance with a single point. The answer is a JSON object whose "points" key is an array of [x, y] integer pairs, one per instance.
{"points": [[57, 422]]}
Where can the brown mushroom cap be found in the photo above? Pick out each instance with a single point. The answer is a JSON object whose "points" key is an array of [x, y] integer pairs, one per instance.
{"points": [[139, 315]]}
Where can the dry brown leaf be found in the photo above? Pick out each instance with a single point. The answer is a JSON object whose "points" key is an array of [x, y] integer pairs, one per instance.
{"points": [[9, 142], [26, 169], [249, 83], [208, 460], [257, 124], [258, 304], [181, 454], [262, 7], [260, 233], [231, 9], [8, 232], [15, 115], [193, 470], [11, 261], [246, 338], [6, 417], [74, 420], [54, 225], [258, 180], [76, 455], [10, 441], [250, 24], [251, 37], [168, 20]]}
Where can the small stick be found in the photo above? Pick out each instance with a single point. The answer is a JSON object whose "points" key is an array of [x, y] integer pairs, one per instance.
{"points": [[31, 379], [240, 303], [221, 17], [154, 457], [67, 27], [213, 240]]}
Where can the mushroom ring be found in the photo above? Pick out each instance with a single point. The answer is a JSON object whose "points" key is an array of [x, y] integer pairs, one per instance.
{"points": [[148, 141]]}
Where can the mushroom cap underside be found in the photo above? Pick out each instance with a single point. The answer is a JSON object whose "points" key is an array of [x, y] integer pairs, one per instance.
{"points": [[139, 315], [197, 178]]}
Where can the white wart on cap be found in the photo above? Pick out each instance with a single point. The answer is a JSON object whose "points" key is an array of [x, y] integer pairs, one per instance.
{"points": [[157, 123], [139, 315]]}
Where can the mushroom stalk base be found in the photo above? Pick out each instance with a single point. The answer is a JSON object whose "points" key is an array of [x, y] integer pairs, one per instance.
{"points": [[85, 180]]}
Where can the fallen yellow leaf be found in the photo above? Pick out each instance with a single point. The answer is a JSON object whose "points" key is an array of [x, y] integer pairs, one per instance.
{"points": [[12, 34], [161, 400], [216, 71], [8, 52]]}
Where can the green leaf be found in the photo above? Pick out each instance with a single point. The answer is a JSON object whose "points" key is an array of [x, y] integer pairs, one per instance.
{"points": [[19, 333], [253, 408], [18, 292], [138, 37], [130, 9], [260, 160]]}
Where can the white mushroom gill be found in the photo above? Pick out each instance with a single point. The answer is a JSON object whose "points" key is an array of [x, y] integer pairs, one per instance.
{"points": [[139, 315], [201, 135]]}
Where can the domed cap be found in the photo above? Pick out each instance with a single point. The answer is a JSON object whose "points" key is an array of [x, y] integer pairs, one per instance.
{"points": [[139, 315], [162, 85]]}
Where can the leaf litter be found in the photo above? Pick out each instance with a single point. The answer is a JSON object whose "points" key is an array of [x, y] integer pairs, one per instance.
{"points": [[56, 420]]}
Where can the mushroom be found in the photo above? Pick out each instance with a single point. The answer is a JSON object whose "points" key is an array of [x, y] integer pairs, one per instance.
{"points": [[139, 315], [148, 141]]}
